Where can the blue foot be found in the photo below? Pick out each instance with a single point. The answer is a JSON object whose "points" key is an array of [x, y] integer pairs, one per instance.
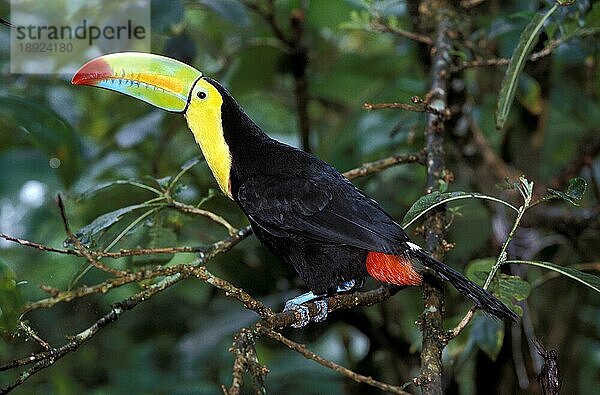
{"points": [[297, 304], [346, 286]]}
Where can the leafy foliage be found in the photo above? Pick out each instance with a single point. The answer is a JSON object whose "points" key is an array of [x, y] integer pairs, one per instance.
{"points": [[434, 199], [505, 287], [517, 63], [586, 279], [574, 192]]}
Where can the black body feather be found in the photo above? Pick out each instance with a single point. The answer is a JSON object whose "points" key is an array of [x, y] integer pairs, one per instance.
{"points": [[312, 217]]}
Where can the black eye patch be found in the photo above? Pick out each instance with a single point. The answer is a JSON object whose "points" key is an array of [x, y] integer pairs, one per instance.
{"points": [[201, 95]]}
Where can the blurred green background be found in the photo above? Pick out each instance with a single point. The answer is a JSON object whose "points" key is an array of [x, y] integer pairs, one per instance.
{"points": [[55, 137]]}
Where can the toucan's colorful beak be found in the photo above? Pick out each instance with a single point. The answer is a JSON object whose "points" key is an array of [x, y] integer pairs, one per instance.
{"points": [[163, 82]]}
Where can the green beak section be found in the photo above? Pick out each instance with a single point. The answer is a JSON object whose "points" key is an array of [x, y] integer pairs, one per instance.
{"points": [[163, 82]]}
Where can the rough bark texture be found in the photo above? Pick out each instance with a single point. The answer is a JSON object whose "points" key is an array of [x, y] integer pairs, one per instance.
{"points": [[433, 331]]}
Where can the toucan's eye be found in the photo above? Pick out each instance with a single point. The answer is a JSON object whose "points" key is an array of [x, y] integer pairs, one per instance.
{"points": [[201, 95]]}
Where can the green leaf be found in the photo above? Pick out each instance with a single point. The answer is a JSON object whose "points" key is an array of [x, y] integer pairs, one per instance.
{"points": [[505, 287], [517, 62], [99, 187], [585, 278], [511, 289], [478, 269], [11, 301], [434, 199], [103, 222], [574, 192], [488, 334]]}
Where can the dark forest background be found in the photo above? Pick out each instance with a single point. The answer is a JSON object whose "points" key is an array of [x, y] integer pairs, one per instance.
{"points": [[303, 70]]}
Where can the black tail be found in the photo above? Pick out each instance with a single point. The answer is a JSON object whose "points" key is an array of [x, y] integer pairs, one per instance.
{"points": [[482, 298]]}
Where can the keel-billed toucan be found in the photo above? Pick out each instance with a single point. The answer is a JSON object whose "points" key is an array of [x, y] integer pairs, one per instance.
{"points": [[299, 207]]}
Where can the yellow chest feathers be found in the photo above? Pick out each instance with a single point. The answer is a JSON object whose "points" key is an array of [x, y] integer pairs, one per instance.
{"points": [[207, 128]]}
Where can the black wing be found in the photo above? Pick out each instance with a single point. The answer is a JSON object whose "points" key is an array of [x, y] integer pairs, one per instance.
{"points": [[323, 206]]}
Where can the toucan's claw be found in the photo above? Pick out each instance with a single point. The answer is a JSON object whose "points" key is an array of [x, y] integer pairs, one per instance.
{"points": [[305, 318], [297, 304], [290, 305], [323, 308]]}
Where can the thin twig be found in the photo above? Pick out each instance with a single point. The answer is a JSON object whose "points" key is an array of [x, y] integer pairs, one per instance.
{"points": [[462, 324], [420, 106], [38, 246], [526, 190], [379, 165], [186, 208], [103, 287], [128, 278], [547, 50], [114, 255], [232, 291], [48, 358], [30, 333], [80, 247], [380, 26], [359, 378]]}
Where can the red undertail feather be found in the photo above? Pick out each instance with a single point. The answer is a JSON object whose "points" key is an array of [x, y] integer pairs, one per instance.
{"points": [[392, 269]]}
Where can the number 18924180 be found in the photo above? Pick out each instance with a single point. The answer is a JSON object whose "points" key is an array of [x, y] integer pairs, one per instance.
{"points": [[46, 47]]}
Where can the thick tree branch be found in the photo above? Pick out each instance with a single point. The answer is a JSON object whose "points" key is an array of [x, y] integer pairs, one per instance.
{"points": [[341, 301], [431, 322], [299, 61]]}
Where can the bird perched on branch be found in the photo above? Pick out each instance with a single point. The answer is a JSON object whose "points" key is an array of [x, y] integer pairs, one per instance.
{"points": [[299, 207]]}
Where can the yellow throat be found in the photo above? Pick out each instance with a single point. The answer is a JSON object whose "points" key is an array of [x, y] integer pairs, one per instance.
{"points": [[205, 122]]}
